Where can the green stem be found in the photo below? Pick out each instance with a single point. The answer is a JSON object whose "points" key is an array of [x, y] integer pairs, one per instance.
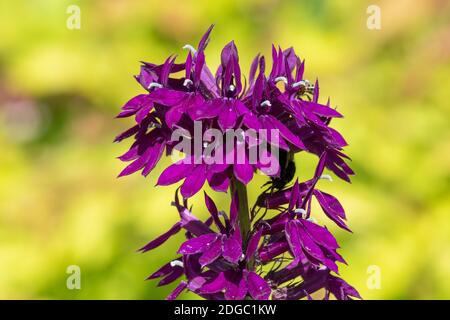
{"points": [[243, 213]]}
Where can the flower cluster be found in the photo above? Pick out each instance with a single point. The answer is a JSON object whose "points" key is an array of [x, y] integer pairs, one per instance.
{"points": [[274, 249]]}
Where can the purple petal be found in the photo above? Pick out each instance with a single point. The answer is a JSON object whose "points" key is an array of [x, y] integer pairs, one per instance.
{"points": [[196, 283], [332, 208], [257, 287], [219, 181], [176, 292], [205, 39], [167, 97], [321, 165], [156, 153], [341, 289], [126, 134], [192, 224], [286, 133], [175, 172], [173, 116], [321, 109], [294, 240], [207, 110], [162, 238], [194, 182], [316, 91], [308, 244], [212, 253], [198, 244], [216, 285], [232, 250], [211, 206], [251, 121], [227, 117], [253, 244], [294, 196], [320, 235], [243, 172], [134, 104], [270, 251], [174, 275], [163, 271], [236, 286], [138, 164]]}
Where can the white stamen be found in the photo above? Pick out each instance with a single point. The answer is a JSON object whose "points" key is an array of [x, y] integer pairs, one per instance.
{"points": [[154, 85], [300, 211], [176, 263], [231, 87], [302, 83], [187, 82], [311, 219], [326, 177], [205, 145], [242, 257], [281, 79], [266, 103], [191, 48]]}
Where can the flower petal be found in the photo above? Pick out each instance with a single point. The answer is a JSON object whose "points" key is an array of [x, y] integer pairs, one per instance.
{"points": [[320, 235], [175, 172], [253, 244], [232, 250], [198, 244], [162, 238], [212, 253], [176, 292], [257, 287], [194, 182]]}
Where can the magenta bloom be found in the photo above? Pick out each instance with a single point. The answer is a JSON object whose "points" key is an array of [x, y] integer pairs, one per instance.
{"points": [[274, 249]]}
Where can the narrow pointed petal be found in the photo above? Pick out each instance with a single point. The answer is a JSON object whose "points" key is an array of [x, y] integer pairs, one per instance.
{"points": [[236, 286], [212, 253], [162, 238], [332, 208], [320, 235], [218, 284], [177, 291], [194, 182], [219, 181], [258, 287], [232, 250], [175, 172], [253, 244], [211, 206], [243, 172], [198, 244], [174, 275]]}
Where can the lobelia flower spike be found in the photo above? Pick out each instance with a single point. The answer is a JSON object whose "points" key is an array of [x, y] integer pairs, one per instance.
{"points": [[274, 249]]}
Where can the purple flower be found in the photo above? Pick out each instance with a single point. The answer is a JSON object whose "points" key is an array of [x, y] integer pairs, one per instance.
{"points": [[274, 249]]}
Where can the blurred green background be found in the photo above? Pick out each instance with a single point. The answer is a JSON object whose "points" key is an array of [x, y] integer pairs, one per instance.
{"points": [[61, 205]]}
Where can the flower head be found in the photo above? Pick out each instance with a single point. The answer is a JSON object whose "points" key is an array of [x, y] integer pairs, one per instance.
{"points": [[276, 248]]}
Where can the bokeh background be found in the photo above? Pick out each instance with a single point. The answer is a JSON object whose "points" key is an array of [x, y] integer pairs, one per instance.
{"points": [[60, 201]]}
